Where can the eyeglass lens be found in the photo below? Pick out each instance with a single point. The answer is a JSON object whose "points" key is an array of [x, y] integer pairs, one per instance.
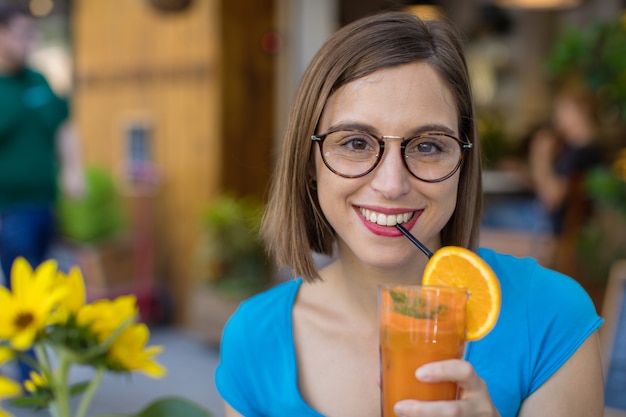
{"points": [[430, 156]]}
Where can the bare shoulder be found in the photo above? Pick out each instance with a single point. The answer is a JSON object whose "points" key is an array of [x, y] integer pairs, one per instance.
{"points": [[575, 390]]}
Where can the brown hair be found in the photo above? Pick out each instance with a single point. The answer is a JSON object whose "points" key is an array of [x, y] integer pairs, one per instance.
{"points": [[294, 224]]}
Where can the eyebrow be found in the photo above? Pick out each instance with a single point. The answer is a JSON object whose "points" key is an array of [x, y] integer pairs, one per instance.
{"points": [[364, 127]]}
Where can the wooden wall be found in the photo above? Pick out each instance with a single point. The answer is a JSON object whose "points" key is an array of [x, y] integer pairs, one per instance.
{"points": [[168, 71], [248, 61]]}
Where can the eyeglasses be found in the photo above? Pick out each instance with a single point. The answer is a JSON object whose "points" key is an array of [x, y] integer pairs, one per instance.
{"points": [[429, 157]]}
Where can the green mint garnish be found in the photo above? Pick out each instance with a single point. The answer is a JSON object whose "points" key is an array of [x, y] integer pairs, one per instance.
{"points": [[416, 309]]}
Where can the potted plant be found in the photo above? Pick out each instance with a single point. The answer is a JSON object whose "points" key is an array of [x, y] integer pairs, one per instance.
{"points": [[96, 217], [231, 256], [594, 54], [94, 232], [230, 263]]}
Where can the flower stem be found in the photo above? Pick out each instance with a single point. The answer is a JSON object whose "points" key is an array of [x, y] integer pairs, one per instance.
{"points": [[89, 392], [43, 361], [60, 407]]}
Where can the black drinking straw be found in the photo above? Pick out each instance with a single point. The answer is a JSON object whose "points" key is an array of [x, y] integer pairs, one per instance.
{"points": [[414, 240]]}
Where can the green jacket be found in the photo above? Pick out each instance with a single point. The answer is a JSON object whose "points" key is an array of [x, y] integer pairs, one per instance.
{"points": [[30, 115]]}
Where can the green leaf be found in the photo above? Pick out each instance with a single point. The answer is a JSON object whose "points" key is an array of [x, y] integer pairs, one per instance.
{"points": [[37, 402], [78, 388], [168, 407], [607, 189], [415, 308], [595, 54]]}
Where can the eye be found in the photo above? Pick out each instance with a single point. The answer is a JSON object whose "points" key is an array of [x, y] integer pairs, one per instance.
{"points": [[427, 147], [356, 142], [424, 146]]}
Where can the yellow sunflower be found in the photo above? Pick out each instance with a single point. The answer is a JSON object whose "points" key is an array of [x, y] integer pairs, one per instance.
{"points": [[74, 296], [130, 352], [105, 316], [26, 309]]}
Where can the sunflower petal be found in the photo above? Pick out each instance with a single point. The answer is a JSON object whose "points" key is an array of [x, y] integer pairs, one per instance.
{"points": [[24, 339], [75, 296], [6, 355], [153, 369], [45, 274], [21, 275], [8, 388], [129, 351]]}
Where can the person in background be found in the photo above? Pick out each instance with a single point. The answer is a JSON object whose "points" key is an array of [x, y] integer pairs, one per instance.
{"points": [[39, 148], [550, 168], [395, 88], [561, 153]]}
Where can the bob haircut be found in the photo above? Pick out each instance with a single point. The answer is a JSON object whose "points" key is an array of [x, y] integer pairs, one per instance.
{"points": [[294, 224]]}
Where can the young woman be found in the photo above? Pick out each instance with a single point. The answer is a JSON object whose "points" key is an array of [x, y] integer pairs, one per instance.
{"points": [[394, 90]]}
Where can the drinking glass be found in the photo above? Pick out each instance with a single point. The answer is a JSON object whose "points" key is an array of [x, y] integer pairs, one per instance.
{"points": [[418, 325]]}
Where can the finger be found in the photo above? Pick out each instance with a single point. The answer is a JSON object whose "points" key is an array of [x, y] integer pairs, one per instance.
{"points": [[413, 408], [453, 370]]}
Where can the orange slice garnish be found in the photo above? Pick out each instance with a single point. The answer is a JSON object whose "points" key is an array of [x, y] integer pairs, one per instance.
{"points": [[455, 266]]}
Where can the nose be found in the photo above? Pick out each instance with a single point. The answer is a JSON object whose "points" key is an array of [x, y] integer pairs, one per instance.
{"points": [[391, 178]]}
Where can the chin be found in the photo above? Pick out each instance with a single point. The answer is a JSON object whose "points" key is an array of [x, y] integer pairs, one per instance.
{"points": [[387, 259]]}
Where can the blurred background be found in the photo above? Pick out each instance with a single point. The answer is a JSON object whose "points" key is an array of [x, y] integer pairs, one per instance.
{"points": [[180, 105]]}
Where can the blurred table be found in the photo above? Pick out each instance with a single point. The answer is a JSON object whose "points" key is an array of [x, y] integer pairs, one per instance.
{"points": [[513, 221], [503, 183]]}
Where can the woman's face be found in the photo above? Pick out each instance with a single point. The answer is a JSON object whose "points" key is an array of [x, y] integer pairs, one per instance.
{"points": [[395, 101], [572, 121]]}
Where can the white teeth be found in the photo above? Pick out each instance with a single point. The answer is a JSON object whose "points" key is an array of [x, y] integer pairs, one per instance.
{"points": [[385, 219]]}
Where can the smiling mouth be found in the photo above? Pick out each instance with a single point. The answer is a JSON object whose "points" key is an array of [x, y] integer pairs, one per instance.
{"points": [[386, 219]]}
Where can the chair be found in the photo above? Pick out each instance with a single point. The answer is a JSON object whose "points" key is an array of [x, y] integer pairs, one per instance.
{"points": [[613, 340], [577, 211]]}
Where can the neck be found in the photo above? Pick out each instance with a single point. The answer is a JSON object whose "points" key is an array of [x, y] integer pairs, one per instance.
{"points": [[357, 283]]}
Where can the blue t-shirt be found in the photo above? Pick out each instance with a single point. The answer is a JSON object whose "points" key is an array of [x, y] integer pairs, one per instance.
{"points": [[545, 317]]}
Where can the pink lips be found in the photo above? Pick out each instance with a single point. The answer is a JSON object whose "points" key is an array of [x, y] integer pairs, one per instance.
{"points": [[388, 231]]}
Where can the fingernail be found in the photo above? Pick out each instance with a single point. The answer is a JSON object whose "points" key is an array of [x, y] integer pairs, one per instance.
{"points": [[400, 410], [422, 374]]}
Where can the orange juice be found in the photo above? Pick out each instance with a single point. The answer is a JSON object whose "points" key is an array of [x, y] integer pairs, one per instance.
{"points": [[418, 326]]}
